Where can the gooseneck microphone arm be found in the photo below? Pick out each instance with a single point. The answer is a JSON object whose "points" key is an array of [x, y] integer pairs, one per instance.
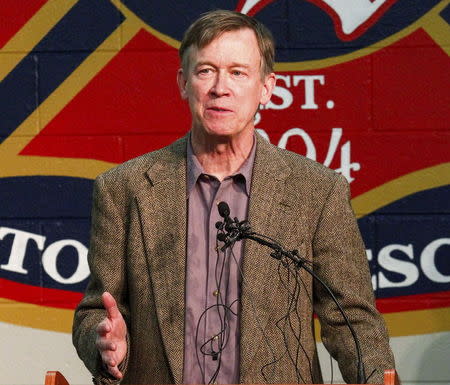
{"points": [[234, 230]]}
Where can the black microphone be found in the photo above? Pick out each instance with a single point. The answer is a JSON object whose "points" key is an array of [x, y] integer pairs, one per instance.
{"points": [[242, 230], [231, 230], [228, 224], [224, 209]]}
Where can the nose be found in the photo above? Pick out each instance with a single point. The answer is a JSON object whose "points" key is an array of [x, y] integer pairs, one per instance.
{"points": [[220, 86]]}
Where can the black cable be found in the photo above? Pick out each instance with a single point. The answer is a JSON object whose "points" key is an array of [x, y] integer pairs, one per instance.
{"points": [[370, 375], [295, 274], [299, 280], [301, 263], [258, 321], [293, 299], [223, 326], [286, 319], [239, 232], [209, 340], [223, 334]]}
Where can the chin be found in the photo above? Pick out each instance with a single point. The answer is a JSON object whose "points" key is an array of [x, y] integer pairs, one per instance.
{"points": [[221, 131]]}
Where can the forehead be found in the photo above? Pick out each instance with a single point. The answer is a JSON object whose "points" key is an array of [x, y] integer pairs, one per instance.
{"points": [[240, 46]]}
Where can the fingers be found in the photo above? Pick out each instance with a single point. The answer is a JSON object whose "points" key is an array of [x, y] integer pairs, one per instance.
{"points": [[111, 363], [114, 370], [107, 350], [110, 305], [104, 327], [111, 336], [103, 344]]}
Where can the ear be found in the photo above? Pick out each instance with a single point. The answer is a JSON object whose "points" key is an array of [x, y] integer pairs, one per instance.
{"points": [[268, 86], [181, 80]]}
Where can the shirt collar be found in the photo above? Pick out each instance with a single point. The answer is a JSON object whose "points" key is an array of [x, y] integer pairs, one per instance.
{"points": [[195, 169]]}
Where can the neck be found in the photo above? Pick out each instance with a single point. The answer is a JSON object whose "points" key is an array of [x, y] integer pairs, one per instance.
{"points": [[222, 156]]}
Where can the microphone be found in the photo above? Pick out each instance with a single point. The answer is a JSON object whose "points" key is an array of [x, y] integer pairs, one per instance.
{"points": [[242, 230], [228, 224], [224, 209]]}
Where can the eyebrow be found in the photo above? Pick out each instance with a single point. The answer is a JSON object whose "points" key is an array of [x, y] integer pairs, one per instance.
{"points": [[234, 64]]}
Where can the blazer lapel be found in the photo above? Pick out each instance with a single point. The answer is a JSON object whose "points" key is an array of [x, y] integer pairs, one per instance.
{"points": [[268, 215], [163, 213]]}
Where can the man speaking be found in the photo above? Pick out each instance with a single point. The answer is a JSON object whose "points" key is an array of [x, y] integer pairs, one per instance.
{"points": [[165, 303]]}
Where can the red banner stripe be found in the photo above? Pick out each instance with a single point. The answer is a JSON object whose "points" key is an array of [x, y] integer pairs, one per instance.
{"points": [[57, 298], [414, 302], [14, 15], [65, 299]]}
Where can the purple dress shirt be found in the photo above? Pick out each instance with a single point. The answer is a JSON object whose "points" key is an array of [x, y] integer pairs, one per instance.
{"points": [[211, 345]]}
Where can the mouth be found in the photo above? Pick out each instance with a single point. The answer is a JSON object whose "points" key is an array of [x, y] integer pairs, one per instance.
{"points": [[218, 109]]}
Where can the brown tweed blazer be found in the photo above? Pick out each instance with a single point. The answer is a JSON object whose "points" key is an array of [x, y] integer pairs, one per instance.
{"points": [[137, 253]]}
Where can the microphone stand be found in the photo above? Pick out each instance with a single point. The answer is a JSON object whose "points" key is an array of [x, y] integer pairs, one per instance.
{"points": [[234, 231]]}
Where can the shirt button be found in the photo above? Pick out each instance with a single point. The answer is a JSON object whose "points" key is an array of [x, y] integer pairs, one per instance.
{"points": [[216, 293], [216, 337]]}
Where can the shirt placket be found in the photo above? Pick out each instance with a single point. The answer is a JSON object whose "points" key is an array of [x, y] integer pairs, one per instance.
{"points": [[216, 294]]}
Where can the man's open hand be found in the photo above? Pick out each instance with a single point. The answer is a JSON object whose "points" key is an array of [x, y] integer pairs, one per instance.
{"points": [[111, 336]]}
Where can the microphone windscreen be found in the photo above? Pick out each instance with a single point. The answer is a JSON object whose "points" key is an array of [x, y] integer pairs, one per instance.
{"points": [[224, 209]]}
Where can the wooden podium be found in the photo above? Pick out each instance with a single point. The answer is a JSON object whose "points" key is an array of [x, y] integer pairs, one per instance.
{"points": [[56, 378]]}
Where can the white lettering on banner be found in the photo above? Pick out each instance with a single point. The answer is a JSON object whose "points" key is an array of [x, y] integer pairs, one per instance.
{"points": [[310, 103], [287, 99], [283, 93], [370, 258], [428, 263], [286, 96], [346, 166], [19, 248], [50, 256], [263, 134], [409, 270], [388, 260], [310, 148]]}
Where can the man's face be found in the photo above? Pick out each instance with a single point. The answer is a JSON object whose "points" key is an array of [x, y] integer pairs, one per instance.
{"points": [[223, 84]]}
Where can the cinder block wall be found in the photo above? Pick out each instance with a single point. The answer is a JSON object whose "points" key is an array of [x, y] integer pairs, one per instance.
{"points": [[86, 85]]}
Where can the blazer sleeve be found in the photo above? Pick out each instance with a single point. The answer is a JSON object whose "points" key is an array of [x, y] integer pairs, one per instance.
{"points": [[106, 259], [340, 260]]}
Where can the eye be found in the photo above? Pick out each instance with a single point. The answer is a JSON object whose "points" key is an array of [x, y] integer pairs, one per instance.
{"points": [[204, 71], [237, 73]]}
